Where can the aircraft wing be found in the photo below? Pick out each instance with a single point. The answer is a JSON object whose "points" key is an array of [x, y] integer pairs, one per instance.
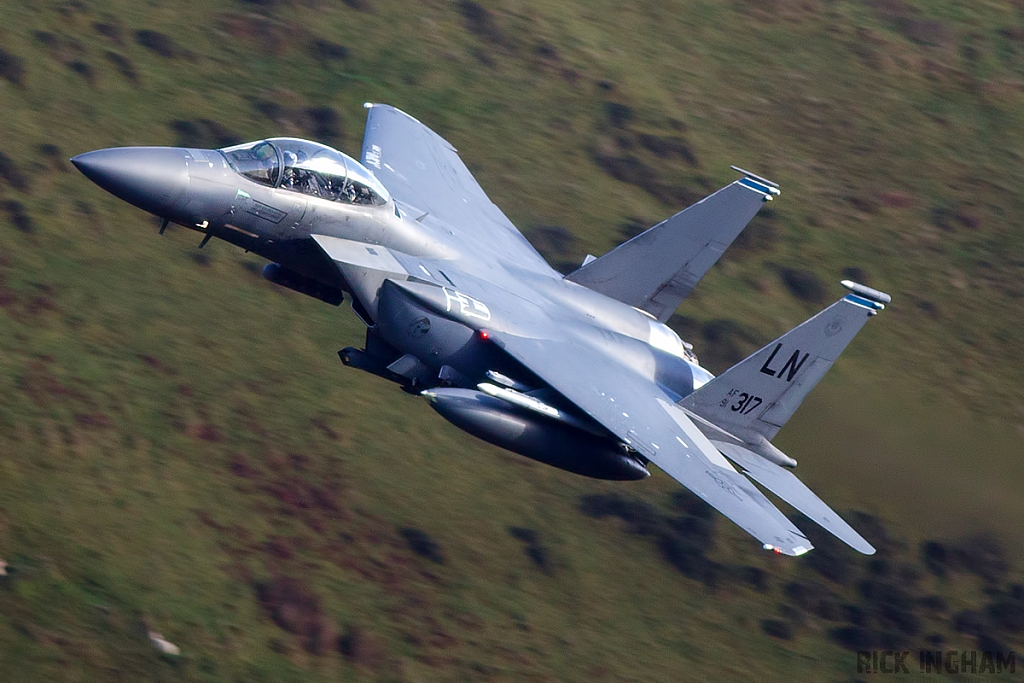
{"points": [[637, 411], [425, 175]]}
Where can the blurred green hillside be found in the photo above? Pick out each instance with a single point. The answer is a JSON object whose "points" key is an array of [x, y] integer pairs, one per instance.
{"points": [[181, 451]]}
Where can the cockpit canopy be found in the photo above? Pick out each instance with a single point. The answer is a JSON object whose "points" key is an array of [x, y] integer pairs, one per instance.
{"points": [[309, 168]]}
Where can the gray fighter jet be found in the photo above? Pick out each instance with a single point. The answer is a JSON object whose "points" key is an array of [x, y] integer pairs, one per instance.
{"points": [[577, 371]]}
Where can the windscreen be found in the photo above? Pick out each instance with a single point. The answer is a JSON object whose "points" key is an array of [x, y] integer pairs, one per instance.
{"points": [[257, 161]]}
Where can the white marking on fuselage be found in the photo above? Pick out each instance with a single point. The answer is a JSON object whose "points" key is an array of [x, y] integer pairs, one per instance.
{"points": [[468, 306]]}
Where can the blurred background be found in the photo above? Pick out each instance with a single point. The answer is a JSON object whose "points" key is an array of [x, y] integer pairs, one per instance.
{"points": [[182, 453]]}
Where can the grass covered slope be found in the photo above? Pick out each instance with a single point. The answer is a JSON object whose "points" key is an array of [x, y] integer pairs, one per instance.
{"points": [[181, 451]]}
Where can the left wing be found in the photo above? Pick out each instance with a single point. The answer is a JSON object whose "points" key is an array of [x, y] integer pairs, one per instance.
{"points": [[424, 173], [639, 413]]}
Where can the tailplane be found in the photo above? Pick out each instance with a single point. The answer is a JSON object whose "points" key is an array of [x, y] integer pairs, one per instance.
{"points": [[659, 268]]}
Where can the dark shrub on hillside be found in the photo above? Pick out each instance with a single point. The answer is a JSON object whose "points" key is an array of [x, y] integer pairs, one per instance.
{"points": [[756, 577], [18, 217], [690, 560], [971, 622], [203, 133], [422, 544], [618, 114], [806, 595], [872, 529], [10, 172], [854, 614], [666, 146], [803, 284], [640, 517], [323, 123], [699, 531], [983, 556], [628, 169], [159, 43], [53, 155], [990, 644], [523, 534], [934, 603], [109, 30], [552, 241], [851, 637], [879, 566], [123, 66], [540, 555], [857, 274], [1008, 614], [633, 226], [831, 565], [761, 234], [47, 38], [83, 69], [688, 502], [362, 648], [479, 19], [12, 68], [777, 628], [727, 343], [326, 51], [534, 549]]}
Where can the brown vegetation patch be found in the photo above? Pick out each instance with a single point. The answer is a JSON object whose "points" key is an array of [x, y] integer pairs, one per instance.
{"points": [[94, 420], [241, 467], [272, 36], [362, 648], [926, 31], [294, 608]]}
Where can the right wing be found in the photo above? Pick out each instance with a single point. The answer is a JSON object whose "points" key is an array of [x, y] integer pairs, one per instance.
{"points": [[783, 483], [659, 268], [639, 413], [424, 173]]}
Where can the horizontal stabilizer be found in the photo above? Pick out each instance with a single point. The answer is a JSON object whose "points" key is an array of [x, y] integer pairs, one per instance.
{"points": [[783, 483], [758, 395], [659, 268]]}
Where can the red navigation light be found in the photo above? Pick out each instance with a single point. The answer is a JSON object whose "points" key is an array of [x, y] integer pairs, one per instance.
{"points": [[484, 334]]}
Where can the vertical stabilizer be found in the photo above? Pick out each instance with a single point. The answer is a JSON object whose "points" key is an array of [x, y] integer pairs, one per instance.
{"points": [[759, 394]]}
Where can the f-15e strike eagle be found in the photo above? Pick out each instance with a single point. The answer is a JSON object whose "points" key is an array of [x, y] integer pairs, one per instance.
{"points": [[577, 371]]}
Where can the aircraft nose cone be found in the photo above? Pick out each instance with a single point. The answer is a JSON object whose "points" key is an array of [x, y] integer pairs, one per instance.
{"points": [[152, 178]]}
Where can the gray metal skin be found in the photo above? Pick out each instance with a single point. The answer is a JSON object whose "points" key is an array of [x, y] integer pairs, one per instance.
{"points": [[576, 371], [198, 189]]}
